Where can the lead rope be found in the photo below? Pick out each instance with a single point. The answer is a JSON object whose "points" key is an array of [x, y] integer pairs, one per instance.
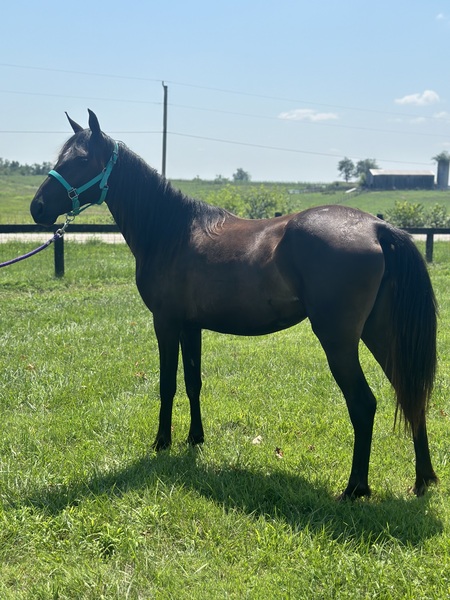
{"points": [[56, 236]]}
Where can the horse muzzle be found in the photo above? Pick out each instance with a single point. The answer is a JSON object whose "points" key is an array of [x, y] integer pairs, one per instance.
{"points": [[39, 213]]}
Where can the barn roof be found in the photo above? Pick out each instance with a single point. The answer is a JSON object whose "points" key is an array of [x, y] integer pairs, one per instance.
{"points": [[375, 172]]}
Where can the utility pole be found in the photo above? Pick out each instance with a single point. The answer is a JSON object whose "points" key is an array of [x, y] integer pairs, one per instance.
{"points": [[164, 146]]}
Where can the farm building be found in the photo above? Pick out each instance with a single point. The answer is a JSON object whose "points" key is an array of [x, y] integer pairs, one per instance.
{"points": [[381, 179]]}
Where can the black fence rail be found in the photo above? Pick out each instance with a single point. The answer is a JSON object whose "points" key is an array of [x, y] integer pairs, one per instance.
{"points": [[58, 245], [430, 233]]}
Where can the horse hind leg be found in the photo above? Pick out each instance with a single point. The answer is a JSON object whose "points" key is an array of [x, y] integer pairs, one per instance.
{"points": [[377, 336], [341, 349], [425, 474]]}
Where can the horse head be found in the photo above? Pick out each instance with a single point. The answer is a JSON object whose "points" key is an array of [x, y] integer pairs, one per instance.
{"points": [[82, 161]]}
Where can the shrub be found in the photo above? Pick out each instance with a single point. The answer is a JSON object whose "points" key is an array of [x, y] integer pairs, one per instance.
{"points": [[261, 203], [252, 202], [438, 217], [410, 214], [407, 214], [230, 198]]}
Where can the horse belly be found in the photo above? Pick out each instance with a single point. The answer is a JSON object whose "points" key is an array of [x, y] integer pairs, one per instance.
{"points": [[247, 310]]}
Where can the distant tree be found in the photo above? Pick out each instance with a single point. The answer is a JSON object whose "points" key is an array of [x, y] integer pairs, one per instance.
{"points": [[241, 175], [40, 169], [346, 168], [362, 169], [220, 179], [442, 157], [14, 167], [363, 166]]}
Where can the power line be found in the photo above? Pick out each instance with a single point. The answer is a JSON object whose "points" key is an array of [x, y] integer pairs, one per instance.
{"points": [[226, 112], [294, 100], [217, 140], [306, 122], [17, 132], [281, 149], [222, 141], [213, 89]]}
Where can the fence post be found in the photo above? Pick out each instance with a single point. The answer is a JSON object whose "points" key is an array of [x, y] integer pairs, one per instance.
{"points": [[58, 249], [429, 247]]}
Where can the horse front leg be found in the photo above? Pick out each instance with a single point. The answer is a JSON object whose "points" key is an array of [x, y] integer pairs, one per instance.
{"points": [[168, 338], [191, 347]]}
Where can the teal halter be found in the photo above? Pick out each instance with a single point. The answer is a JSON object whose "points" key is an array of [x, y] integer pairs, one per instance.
{"points": [[101, 179]]}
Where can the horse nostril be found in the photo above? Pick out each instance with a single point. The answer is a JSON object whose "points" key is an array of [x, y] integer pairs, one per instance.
{"points": [[37, 209]]}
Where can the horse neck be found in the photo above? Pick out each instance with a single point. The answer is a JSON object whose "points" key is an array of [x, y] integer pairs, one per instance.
{"points": [[147, 210]]}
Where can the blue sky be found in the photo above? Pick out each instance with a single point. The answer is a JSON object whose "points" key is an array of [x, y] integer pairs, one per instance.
{"points": [[282, 89]]}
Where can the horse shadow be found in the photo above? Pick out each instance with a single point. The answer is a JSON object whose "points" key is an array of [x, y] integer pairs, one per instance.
{"points": [[280, 496]]}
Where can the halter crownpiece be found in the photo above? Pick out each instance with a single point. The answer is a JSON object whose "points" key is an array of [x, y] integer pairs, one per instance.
{"points": [[101, 179]]}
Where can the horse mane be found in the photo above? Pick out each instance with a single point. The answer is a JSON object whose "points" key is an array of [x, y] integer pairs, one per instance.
{"points": [[159, 211]]}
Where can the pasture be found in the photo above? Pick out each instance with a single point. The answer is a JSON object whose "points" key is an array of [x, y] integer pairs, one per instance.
{"points": [[16, 192], [89, 511]]}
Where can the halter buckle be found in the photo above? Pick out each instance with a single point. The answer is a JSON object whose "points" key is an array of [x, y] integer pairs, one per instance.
{"points": [[73, 194]]}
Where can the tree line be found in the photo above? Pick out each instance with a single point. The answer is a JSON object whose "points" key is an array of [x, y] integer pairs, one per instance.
{"points": [[348, 169], [14, 167]]}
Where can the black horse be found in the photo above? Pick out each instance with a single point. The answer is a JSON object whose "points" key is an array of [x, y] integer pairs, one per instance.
{"points": [[200, 267]]}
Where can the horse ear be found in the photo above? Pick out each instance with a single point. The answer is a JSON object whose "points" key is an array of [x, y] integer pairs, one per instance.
{"points": [[94, 125], [76, 128]]}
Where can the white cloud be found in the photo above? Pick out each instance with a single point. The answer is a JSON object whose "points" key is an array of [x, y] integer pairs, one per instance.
{"points": [[440, 17], [442, 116], [419, 99], [307, 114]]}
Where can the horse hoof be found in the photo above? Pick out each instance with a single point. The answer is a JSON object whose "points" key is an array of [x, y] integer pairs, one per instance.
{"points": [[160, 444], [353, 493], [421, 485], [195, 440]]}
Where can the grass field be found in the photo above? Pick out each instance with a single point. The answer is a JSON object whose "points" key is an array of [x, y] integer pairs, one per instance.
{"points": [[16, 193], [88, 511]]}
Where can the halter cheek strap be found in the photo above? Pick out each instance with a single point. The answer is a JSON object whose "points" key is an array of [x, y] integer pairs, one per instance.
{"points": [[101, 179]]}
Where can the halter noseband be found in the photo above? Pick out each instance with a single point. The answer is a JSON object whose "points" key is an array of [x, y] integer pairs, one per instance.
{"points": [[102, 179]]}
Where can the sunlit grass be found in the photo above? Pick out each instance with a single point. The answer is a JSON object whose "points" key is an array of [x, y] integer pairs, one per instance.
{"points": [[87, 510]]}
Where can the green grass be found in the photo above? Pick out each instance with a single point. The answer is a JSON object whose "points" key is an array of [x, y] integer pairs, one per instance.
{"points": [[88, 511], [17, 191]]}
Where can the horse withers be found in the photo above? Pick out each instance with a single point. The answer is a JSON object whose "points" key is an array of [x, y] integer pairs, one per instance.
{"points": [[352, 275]]}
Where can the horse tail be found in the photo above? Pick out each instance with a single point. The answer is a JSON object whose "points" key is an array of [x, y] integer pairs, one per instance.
{"points": [[413, 323]]}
